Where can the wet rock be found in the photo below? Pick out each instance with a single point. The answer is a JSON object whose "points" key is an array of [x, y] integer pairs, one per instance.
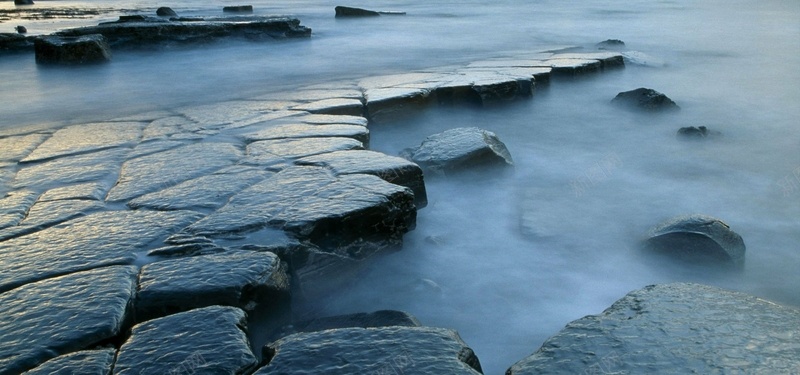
{"points": [[95, 166], [244, 279], [238, 9], [84, 138], [23, 2], [14, 207], [674, 328], [96, 362], [407, 350], [334, 106], [209, 191], [285, 150], [153, 30], [393, 169], [97, 240], [67, 50], [611, 44], [644, 99], [21, 29], [343, 11], [571, 67], [697, 239], [325, 119], [166, 12], [386, 102], [583, 61], [353, 214], [42, 320], [459, 149], [88, 191], [381, 318], [186, 250], [16, 42], [44, 214], [210, 340], [283, 131], [699, 132], [162, 170]]}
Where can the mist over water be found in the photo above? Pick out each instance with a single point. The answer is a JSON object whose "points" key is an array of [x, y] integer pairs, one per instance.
{"points": [[508, 260]]}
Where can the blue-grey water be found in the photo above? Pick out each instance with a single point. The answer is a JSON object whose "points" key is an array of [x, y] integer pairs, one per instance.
{"points": [[509, 260]]}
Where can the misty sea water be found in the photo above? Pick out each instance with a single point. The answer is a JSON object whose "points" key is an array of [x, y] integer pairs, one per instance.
{"points": [[508, 260]]}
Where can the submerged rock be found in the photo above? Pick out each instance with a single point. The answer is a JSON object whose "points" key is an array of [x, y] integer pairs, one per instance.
{"points": [[645, 99], [45, 319], [240, 279], [699, 132], [677, 328], [84, 49], [459, 149], [697, 239], [238, 9], [166, 12], [23, 2], [94, 362], [381, 318], [402, 350], [611, 44], [210, 340]]}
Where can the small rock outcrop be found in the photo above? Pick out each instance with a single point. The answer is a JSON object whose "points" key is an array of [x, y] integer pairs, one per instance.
{"points": [[679, 328], [211, 340], [23, 2], [21, 29], [611, 44], [697, 239], [697, 132], [15, 42], [166, 12], [387, 350], [644, 99], [86, 49], [459, 149], [238, 9], [343, 11]]}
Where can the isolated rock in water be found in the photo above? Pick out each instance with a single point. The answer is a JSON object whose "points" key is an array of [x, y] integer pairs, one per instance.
{"points": [[697, 239], [238, 9], [241, 279], [382, 318], [42, 320], [87, 49], [97, 240], [21, 29], [211, 340], [611, 44], [83, 362], [393, 169], [343, 11], [23, 2], [459, 149], [166, 12], [645, 99], [388, 350], [699, 132], [676, 328]]}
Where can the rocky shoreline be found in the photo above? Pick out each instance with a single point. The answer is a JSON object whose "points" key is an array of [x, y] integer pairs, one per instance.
{"points": [[146, 244]]}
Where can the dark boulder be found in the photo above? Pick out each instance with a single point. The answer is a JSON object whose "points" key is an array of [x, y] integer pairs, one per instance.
{"points": [[85, 49], [23, 2], [16, 42], [343, 11], [697, 239], [382, 318], [644, 99], [21, 29], [238, 9], [386, 350], [699, 132], [677, 328], [211, 340], [611, 44], [166, 12], [244, 279], [459, 149]]}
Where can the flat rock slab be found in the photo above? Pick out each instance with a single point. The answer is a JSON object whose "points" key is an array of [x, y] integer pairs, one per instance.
{"points": [[139, 30], [95, 166], [87, 137], [87, 191], [42, 320], [381, 318], [458, 149], [88, 362], [286, 150], [161, 170], [209, 191], [210, 340], [401, 350], [333, 212], [16, 148], [697, 239], [14, 207], [242, 279], [97, 240], [283, 131], [393, 169], [677, 328]]}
